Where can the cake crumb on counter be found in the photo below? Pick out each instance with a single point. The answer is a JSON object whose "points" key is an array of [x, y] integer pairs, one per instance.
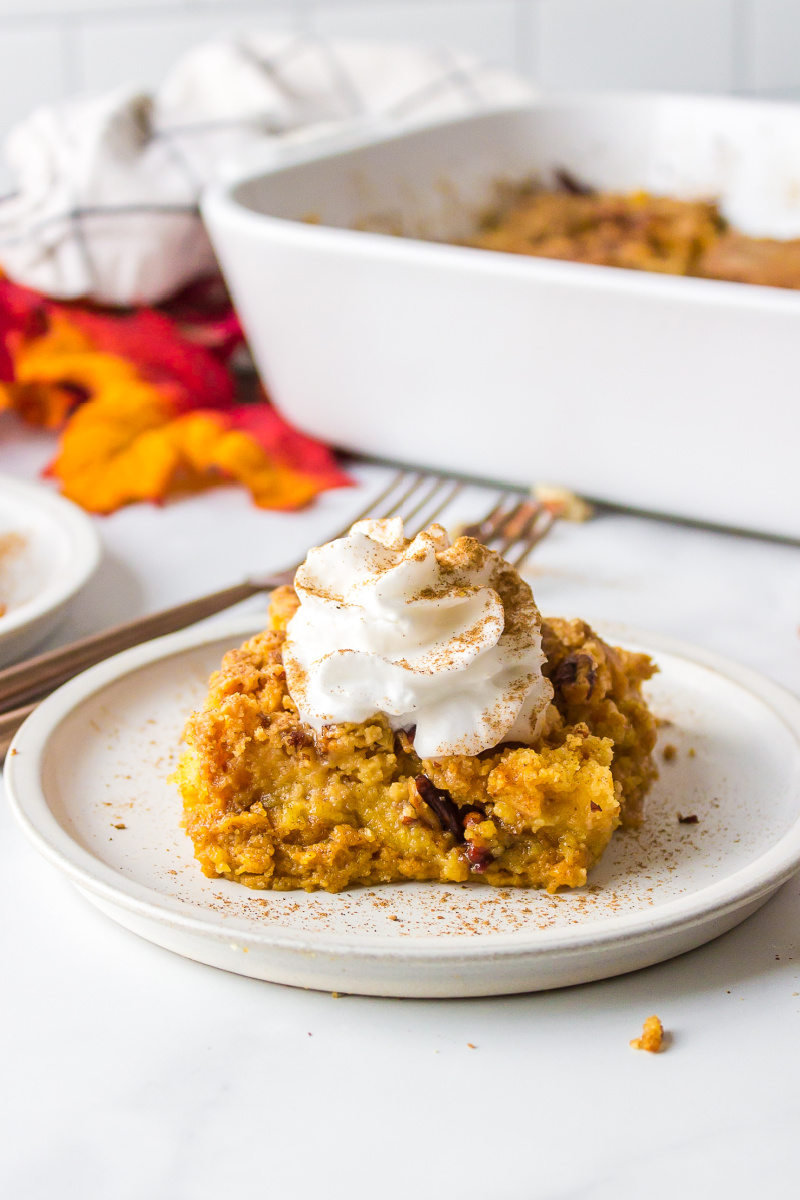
{"points": [[652, 1036], [563, 503], [670, 752]]}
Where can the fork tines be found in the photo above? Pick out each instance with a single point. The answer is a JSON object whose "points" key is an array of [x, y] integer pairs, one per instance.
{"points": [[513, 527], [417, 496]]}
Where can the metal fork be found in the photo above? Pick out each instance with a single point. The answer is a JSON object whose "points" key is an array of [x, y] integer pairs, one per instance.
{"points": [[419, 497], [513, 527]]}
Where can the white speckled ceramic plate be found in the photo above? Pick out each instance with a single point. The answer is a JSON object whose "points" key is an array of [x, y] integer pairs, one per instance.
{"points": [[87, 780], [48, 550]]}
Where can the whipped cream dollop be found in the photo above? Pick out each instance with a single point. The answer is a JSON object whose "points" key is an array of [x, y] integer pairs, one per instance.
{"points": [[446, 638]]}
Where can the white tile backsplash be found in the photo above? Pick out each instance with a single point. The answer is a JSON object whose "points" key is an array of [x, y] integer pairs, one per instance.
{"points": [[488, 28], [49, 47], [31, 69], [684, 45], [32, 11], [774, 42], [139, 49]]}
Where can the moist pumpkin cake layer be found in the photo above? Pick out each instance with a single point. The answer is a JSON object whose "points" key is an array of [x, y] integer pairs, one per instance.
{"points": [[277, 797]]}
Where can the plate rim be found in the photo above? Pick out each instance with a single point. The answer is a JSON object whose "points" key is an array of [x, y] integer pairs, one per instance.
{"points": [[755, 880], [84, 558]]}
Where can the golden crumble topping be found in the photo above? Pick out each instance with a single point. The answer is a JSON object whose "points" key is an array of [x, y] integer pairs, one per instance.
{"points": [[271, 804]]}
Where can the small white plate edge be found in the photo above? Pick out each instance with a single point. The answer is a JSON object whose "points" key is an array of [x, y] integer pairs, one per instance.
{"points": [[84, 559]]}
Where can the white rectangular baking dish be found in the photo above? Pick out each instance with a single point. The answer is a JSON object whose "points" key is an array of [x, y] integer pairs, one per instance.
{"points": [[675, 395]]}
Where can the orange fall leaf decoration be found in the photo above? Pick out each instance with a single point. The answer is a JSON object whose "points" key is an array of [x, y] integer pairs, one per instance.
{"points": [[146, 411], [130, 447]]}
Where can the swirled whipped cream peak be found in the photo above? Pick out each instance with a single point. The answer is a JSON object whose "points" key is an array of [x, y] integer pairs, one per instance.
{"points": [[444, 638]]}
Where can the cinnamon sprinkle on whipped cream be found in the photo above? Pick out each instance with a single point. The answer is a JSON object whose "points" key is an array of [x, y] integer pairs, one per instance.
{"points": [[443, 637]]}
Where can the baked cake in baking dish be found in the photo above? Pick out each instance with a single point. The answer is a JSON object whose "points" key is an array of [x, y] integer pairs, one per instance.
{"points": [[408, 715], [637, 230]]}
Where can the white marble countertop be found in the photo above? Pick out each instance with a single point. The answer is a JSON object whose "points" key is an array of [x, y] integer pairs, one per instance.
{"points": [[132, 1074]]}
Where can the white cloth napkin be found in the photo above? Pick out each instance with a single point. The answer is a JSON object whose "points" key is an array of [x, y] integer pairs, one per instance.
{"points": [[106, 189]]}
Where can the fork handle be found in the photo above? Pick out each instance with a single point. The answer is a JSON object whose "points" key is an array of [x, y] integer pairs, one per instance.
{"points": [[10, 723], [36, 677]]}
